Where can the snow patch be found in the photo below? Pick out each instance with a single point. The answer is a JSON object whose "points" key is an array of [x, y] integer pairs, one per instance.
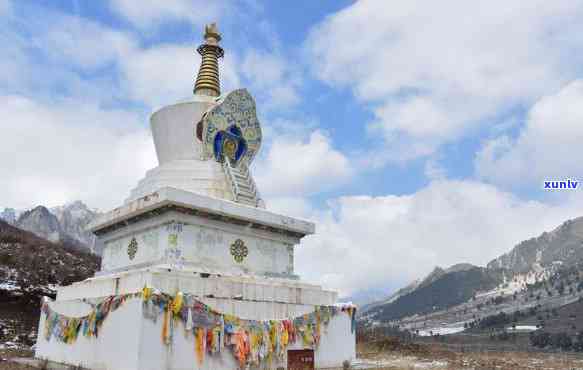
{"points": [[524, 328], [441, 331], [9, 286]]}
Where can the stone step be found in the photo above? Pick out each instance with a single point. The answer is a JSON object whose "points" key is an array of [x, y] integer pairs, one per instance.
{"points": [[240, 176], [246, 194], [246, 187]]}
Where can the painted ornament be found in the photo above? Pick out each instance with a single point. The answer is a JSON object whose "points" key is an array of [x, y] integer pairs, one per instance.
{"points": [[231, 130], [239, 250], [132, 248]]}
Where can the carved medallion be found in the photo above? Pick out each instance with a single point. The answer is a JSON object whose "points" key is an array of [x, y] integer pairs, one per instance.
{"points": [[132, 248], [239, 250], [231, 129]]}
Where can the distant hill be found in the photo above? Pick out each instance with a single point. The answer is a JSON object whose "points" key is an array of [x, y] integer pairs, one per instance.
{"points": [[538, 258], [447, 289], [435, 275], [29, 267]]}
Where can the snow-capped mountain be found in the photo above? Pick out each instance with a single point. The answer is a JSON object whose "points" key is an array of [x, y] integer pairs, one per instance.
{"points": [[74, 218], [65, 224], [42, 223]]}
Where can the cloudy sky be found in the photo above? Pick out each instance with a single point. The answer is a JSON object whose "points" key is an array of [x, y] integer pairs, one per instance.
{"points": [[414, 133]]}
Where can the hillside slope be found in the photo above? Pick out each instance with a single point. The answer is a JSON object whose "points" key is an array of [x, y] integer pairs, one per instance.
{"points": [[29, 267], [434, 275], [440, 292], [529, 262], [564, 244]]}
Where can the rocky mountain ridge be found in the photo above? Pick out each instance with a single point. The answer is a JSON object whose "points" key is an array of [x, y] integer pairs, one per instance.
{"points": [[564, 244], [65, 224]]}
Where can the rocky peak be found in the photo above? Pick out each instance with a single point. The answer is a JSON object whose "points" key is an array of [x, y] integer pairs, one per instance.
{"points": [[9, 215], [564, 244], [66, 224], [41, 222], [461, 267], [433, 275], [74, 218]]}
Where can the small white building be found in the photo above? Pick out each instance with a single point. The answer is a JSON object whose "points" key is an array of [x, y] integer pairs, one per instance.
{"points": [[196, 273]]}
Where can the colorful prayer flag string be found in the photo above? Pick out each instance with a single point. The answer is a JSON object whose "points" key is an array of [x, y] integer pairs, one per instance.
{"points": [[250, 341]]}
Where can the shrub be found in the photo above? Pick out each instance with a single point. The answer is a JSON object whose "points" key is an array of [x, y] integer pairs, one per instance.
{"points": [[562, 340], [540, 339]]}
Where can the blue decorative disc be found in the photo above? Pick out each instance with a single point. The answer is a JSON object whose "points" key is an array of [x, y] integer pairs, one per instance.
{"points": [[231, 130]]}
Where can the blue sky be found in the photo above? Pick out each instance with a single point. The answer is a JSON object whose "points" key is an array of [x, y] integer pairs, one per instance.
{"points": [[414, 134]]}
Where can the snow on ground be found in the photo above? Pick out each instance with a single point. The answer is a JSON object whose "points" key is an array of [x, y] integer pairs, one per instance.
{"points": [[441, 331], [519, 282], [407, 362], [9, 286], [9, 345], [524, 328]]}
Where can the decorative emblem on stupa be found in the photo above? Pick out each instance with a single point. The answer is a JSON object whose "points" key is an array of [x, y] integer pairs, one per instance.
{"points": [[231, 129], [239, 250], [132, 248]]}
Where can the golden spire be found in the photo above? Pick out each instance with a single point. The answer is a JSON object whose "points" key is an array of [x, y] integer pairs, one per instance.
{"points": [[207, 81]]}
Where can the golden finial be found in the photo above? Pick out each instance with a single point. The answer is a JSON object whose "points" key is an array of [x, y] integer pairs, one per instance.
{"points": [[207, 81]]}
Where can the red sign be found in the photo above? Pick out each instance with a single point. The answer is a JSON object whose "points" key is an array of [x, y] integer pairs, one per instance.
{"points": [[300, 359]]}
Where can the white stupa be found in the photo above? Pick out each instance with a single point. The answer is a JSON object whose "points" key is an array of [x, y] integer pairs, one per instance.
{"points": [[196, 227]]}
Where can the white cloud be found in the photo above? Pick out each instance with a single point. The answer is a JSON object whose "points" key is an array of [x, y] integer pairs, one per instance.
{"points": [[67, 150], [434, 170], [431, 71], [84, 43], [161, 74], [157, 75], [54, 53], [387, 241], [300, 165], [74, 48], [295, 206], [548, 147], [164, 74], [145, 13], [272, 78]]}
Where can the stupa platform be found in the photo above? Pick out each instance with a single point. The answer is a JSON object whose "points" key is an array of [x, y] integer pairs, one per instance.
{"points": [[129, 340]]}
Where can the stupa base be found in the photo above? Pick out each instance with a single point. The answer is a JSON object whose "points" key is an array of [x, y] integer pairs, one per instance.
{"points": [[130, 339]]}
